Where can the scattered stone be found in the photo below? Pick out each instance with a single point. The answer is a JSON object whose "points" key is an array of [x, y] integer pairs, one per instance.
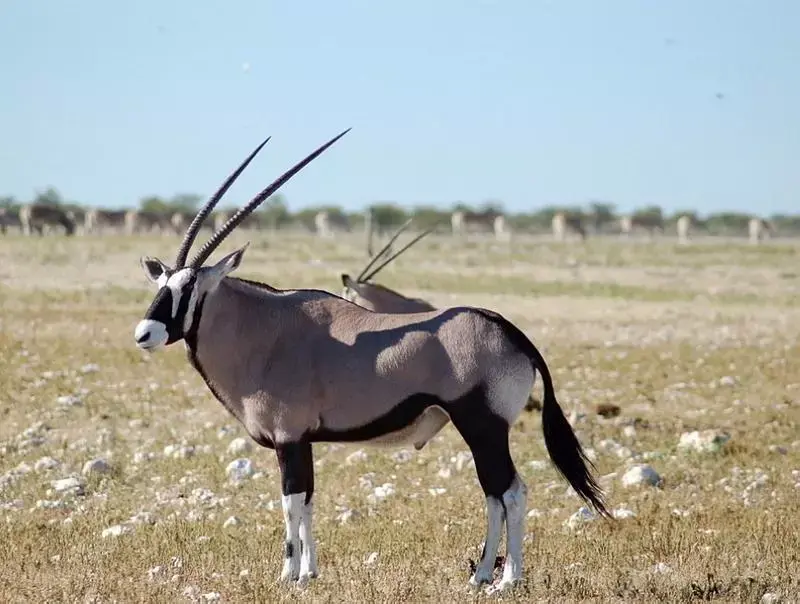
{"points": [[231, 521], [707, 441], [779, 449], [380, 493], [71, 484], [371, 559], [623, 513], [348, 515], [727, 380], [402, 456], [641, 475], [154, 572], [211, 596], [90, 368], [437, 491], [239, 469], [461, 460], [355, 457], [239, 445], [770, 598], [579, 518], [117, 530], [96, 467], [537, 464], [662, 568], [69, 400], [45, 463]]}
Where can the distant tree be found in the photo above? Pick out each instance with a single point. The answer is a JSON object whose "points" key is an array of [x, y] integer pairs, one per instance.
{"points": [[651, 211], [50, 196], [185, 202], [274, 212], [426, 217], [602, 213], [8, 202], [491, 205], [153, 203], [388, 214]]}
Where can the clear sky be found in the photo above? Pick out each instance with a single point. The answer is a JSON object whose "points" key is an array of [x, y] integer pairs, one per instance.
{"points": [[526, 101]]}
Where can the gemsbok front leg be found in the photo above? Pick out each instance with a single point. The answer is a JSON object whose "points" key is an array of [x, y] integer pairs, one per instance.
{"points": [[297, 485]]}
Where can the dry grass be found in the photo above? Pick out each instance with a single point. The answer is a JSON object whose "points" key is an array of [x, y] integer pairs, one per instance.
{"points": [[657, 329]]}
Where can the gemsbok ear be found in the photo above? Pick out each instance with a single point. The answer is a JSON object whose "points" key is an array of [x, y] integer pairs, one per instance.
{"points": [[153, 268], [227, 265]]}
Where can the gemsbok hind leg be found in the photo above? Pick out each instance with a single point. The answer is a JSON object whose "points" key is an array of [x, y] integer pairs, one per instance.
{"points": [[297, 485], [486, 434]]}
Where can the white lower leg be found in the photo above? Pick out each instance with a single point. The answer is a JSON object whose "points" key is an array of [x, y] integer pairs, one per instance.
{"points": [[308, 553], [292, 512], [515, 502], [484, 573]]}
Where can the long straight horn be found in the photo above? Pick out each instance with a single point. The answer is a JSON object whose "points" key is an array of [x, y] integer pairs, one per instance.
{"points": [[197, 222], [400, 251], [383, 250], [219, 236]]}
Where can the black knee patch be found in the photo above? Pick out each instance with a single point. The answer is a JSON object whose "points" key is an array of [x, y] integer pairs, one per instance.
{"points": [[289, 549], [297, 468]]}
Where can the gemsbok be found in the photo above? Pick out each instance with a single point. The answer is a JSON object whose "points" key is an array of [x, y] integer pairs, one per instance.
{"points": [[301, 366]]}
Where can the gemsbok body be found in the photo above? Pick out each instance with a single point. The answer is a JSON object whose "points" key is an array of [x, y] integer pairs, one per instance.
{"points": [[39, 216], [297, 367], [381, 299]]}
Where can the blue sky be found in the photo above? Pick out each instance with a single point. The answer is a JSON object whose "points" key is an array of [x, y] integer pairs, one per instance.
{"points": [[529, 102]]}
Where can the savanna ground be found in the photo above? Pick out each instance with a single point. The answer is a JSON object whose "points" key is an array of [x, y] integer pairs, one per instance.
{"points": [[686, 338]]}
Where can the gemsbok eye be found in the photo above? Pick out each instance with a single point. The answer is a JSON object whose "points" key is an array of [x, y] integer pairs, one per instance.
{"points": [[283, 363]]}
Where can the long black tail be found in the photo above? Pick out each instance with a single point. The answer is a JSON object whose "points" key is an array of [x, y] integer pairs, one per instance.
{"points": [[561, 442]]}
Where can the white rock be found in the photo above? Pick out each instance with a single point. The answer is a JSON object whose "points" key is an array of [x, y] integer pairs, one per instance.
{"points": [[96, 466], [770, 598], [779, 449], [461, 460], [143, 456], [371, 559], [444, 473], [71, 484], [231, 521], [381, 492], [537, 464], [239, 469], [348, 516], [45, 463], [402, 456], [623, 513], [662, 568], [69, 400], [355, 457], [90, 368], [641, 474], [437, 491], [706, 441], [727, 380], [190, 591], [629, 432], [245, 572], [116, 530], [211, 596], [154, 572], [582, 516], [239, 445]]}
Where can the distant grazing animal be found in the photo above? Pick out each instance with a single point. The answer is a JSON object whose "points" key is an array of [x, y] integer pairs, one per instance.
{"points": [[489, 220], [301, 366], [147, 221], [9, 218], [758, 229], [38, 216], [645, 222], [99, 221], [684, 227], [326, 224], [563, 223]]}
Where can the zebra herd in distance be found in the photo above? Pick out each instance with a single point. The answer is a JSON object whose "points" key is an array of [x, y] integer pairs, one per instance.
{"points": [[42, 218]]}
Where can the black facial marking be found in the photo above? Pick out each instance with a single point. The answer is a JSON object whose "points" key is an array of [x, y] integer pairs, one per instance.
{"points": [[161, 309], [297, 468]]}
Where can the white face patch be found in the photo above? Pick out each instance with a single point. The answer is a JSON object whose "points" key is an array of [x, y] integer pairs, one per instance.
{"points": [[175, 283]]}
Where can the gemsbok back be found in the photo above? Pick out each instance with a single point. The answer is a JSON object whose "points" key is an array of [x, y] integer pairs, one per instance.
{"points": [[301, 366]]}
